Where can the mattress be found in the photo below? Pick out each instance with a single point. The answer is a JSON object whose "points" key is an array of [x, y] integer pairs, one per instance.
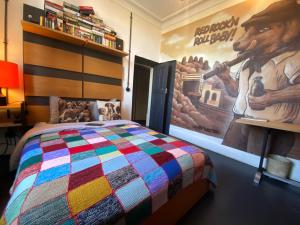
{"points": [[91, 173]]}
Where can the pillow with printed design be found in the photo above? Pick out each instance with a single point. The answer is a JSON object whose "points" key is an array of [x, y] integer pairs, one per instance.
{"points": [[109, 110]]}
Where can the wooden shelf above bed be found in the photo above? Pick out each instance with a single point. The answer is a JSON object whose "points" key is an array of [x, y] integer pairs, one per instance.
{"points": [[61, 36]]}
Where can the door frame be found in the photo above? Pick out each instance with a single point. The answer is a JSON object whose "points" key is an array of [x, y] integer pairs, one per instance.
{"points": [[149, 64], [169, 97]]}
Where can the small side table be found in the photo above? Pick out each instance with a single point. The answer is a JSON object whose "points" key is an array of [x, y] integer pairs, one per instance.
{"points": [[8, 122], [269, 126], [10, 133]]}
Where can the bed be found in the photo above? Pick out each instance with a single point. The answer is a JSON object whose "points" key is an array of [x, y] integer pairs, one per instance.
{"points": [[113, 172]]}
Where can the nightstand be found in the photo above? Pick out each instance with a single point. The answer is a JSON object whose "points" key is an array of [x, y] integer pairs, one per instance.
{"points": [[11, 121]]}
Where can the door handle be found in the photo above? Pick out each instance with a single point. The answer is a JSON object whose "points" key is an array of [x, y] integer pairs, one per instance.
{"points": [[164, 91]]}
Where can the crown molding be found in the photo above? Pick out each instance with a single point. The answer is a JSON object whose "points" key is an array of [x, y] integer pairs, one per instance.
{"points": [[182, 10], [140, 11], [202, 9]]}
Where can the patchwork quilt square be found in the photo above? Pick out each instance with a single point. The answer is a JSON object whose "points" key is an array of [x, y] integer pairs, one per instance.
{"points": [[177, 152], [56, 154], [76, 143], [145, 165], [158, 142], [114, 164], [121, 177], [90, 135], [105, 150], [107, 211], [81, 148], [52, 174], [73, 138], [96, 140], [129, 200], [162, 157], [190, 149], [172, 169], [129, 150], [136, 156], [54, 147], [109, 156], [55, 162], [153, 150], [138, 141], [179, 144], [83, 155], [185, 162], [88, 194], [156, 180]]}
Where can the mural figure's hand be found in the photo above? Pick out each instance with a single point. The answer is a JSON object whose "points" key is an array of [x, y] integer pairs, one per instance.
{"points": [[261, 102], [223, 71]]}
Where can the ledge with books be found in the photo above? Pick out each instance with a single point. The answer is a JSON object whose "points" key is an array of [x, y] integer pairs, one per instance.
{"points": [[65, 37]]}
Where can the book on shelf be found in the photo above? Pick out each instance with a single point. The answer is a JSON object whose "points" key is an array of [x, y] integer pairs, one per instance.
{"points": [[84, 20], [71, 7], [86, 10], [54, 4], [70, 20], [86, 29], [74, 13], [87, 26]]}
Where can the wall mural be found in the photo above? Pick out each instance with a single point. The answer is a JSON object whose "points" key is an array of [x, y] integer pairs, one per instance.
{"points": [[252, 53]]}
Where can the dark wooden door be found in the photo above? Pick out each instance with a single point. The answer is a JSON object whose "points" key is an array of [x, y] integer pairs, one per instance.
{"points": [[162, 94]]}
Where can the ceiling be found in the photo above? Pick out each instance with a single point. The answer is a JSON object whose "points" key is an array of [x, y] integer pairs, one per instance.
{"points": [[164, 9]]}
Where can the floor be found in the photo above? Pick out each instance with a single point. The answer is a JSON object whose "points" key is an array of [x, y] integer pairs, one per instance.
{"points": [[236, 201]]}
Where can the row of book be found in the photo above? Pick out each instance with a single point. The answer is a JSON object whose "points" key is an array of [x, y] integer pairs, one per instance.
{"points": [[79, 21]]}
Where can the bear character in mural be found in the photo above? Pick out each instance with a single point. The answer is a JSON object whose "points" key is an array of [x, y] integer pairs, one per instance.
{"points": [[267, 85]]}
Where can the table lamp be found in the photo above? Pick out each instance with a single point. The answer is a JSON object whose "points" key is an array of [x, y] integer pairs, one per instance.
{"points": [[9, 78]]}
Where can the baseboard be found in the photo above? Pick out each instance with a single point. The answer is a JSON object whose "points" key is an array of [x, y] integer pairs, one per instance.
{"points": [[215, 144]]}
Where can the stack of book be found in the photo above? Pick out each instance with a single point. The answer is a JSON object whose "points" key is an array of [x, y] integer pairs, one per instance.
{"points": [[71, 13], [86, 10], [53, 16], [78, 21]]}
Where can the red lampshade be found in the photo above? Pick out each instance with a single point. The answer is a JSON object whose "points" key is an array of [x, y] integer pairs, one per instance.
{"points": [[9, 76]]}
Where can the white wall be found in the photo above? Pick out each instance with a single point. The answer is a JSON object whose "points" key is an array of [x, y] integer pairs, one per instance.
{"points": [[145, 37]]}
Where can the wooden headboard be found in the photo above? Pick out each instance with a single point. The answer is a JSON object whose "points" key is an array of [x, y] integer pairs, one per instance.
{"points": [[53, 67]]}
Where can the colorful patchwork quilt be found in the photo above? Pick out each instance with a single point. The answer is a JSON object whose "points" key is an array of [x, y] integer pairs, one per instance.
{"points": [[101, 175]]}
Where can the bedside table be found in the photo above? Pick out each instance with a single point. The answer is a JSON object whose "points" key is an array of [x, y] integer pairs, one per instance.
{"points": [[11, 120]]}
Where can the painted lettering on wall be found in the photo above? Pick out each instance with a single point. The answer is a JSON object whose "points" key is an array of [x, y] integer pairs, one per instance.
{"points": [[222, 31]]}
